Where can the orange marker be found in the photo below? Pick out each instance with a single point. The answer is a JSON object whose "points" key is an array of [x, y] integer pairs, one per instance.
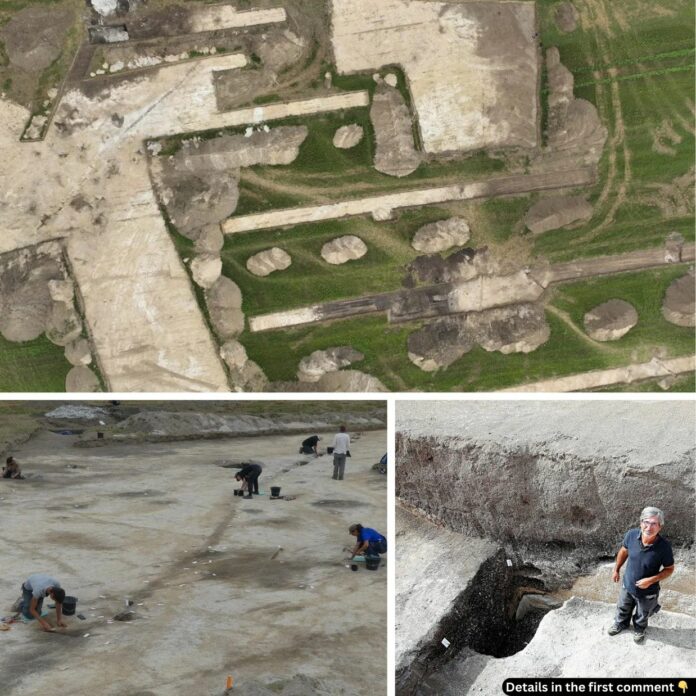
{"points": [[230, 681]]}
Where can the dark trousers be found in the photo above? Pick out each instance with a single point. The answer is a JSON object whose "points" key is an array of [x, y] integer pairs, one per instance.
{"points": [[644, 607], [253, 483], [26, 603], [375, 548]]}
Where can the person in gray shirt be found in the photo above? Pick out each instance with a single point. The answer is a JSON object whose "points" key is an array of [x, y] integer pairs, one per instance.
{"points": [[34, 589]]}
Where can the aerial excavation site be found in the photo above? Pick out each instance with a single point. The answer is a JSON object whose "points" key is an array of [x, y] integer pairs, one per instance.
{"points": [[138, 558], [346, 195], [514, 521]]}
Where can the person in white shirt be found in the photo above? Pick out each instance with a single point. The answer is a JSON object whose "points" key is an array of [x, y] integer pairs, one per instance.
{"points": [[341, 445]]}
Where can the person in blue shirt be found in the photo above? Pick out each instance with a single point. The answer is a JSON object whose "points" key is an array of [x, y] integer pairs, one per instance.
{"points": [[650, 560], [370, 542]]}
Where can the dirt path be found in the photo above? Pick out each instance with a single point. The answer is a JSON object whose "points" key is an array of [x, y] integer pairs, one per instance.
{"points": [[381, 302], [565, 318]]}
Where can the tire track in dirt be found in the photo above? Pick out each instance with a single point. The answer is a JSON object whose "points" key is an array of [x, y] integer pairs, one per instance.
{"points": [[601, 22]]}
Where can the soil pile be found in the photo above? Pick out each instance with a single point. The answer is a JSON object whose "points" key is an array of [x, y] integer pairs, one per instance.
{"points": [[343, 249], [610, 321], [558, 211], [679, 305], [266, 262], [512, 329], [395, 153], [441, 235]]}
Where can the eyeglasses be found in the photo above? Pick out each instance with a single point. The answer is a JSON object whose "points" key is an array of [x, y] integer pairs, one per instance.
{"points": [[650, 524]]}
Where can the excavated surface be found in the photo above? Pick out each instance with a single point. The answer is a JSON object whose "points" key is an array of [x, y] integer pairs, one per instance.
{"points": [[213, 594], [471, 67]]}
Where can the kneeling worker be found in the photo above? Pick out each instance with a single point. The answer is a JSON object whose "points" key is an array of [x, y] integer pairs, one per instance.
{"points": [[370, 542], [11, 469], [250, 473], [34, 589], [309, 446]]}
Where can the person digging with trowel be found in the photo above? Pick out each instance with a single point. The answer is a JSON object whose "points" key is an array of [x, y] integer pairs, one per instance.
{"points": [[309, 446], [250, 473], [34, 589], [370, 541]]}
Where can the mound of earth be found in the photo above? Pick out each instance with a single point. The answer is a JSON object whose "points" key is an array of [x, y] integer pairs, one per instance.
{"points": [[343, 249], [441, 235], [25, 297], [348, 136], [566, 17], [674, 199], [463, 264], [248, 378], [206, 269], [234, 354], [77, 412], [224, 302], [266, 262], [350, 381], [198, 184], [512, 329], [576, 135], [557, 211], [64, 324], [81, 379], [678, 306], [395, 153], [313, 367], [34, 37], [78, 352], [610, 321], [210, 240]]}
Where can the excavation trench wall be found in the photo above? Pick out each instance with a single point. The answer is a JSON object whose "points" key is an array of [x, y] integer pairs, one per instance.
{"points": [[478, 617], [530, 494]]}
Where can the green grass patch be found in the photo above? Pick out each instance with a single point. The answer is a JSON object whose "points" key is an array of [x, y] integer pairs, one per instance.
{"points": [[566, 352], [34, 366], [310, 279]]}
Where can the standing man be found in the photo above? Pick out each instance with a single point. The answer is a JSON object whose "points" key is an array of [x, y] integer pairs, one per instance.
{"points": [[341, 447], [650, 560], [370, 541], [250, 473], [309, 446], [34, 589]]}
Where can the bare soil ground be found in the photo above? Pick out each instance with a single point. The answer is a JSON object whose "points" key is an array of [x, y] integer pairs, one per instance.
{"points": [[220, 586]]}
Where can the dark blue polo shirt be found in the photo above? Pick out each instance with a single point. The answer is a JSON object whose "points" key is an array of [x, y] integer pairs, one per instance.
{"points": [[368, 534], [645, 561]]}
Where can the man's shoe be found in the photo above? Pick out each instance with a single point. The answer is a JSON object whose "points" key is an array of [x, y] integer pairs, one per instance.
{"points": [[247, 497], [638, 636], [616, 629]]}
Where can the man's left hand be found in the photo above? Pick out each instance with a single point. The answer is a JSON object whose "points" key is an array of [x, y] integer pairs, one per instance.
{"points": [[62, 624], [644, 583]]}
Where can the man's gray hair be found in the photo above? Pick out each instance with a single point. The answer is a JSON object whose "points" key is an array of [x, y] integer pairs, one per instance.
{"points": [[653, 512]]}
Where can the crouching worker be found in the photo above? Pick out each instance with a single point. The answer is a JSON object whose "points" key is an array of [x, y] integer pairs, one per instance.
{"points": [[11, 469], [370, 542], [250, 473], [34, 589], [309, 446]]}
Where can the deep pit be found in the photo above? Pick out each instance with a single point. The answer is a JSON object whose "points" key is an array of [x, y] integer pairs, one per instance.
{"points": [[506, 511]]}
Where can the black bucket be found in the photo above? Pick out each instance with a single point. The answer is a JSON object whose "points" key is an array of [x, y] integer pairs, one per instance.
{"points": [[275, 491], [329, 450], [69, 604], [372, 562]]}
